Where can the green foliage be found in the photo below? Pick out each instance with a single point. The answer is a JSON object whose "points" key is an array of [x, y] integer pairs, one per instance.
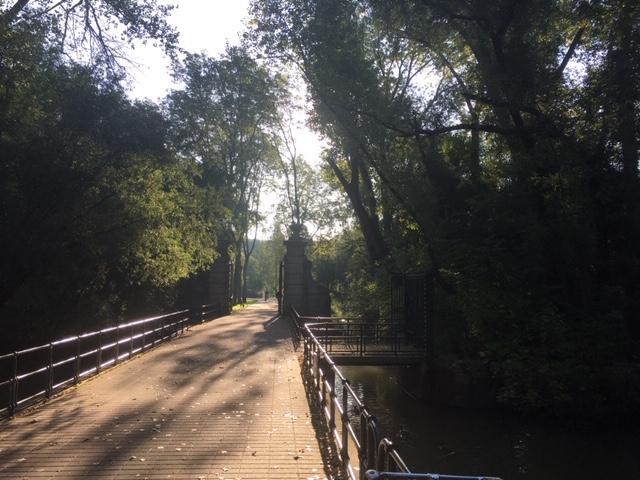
{"points": [[221, 120], [357, 289], [496, 143], [93, 31], [97, 218], [264, 264]]}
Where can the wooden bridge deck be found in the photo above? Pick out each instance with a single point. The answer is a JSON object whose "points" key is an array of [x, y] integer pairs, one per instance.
{"points": [[225, 401]]}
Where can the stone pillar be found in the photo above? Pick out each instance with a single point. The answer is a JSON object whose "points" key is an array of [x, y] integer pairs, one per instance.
{"points": [[293, 272], [218, 285], [299, 289]]}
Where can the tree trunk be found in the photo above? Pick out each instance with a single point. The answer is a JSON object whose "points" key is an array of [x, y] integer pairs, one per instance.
{"points": [[626, 94], [369, 224], [237, 276]]}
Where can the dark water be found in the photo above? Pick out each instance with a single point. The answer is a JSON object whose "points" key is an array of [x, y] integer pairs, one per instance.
{"points": [[467, 442]]}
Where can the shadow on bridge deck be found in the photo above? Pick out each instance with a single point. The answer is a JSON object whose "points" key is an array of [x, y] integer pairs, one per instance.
{"points": [[224, 401]]}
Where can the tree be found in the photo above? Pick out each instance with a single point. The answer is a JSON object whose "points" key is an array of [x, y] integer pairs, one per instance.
{"points": [[306, 199], [95, 30], [98, 219], [505, 136], [221, 120]]}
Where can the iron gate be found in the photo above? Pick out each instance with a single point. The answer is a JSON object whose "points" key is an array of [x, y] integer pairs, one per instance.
{"points": [[412, 306]]}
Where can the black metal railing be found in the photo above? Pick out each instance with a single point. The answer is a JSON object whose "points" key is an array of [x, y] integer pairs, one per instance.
{"points": [[375, 475], [354, 337], [36, 373], [374, 457]]}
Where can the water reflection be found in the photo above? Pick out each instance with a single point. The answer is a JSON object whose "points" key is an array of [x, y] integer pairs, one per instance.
{"points": [[454, 441]]}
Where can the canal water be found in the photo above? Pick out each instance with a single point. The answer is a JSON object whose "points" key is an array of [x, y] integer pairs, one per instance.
{"points": [[474, 442]]}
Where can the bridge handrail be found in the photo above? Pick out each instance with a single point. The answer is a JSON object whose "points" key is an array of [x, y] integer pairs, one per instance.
{"points": [[375, 475], [358, 338], [377, 458], [324, 376], [67, 357]]}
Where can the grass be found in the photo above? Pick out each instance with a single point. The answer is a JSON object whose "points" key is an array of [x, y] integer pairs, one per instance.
{"points": [[240, 306]]}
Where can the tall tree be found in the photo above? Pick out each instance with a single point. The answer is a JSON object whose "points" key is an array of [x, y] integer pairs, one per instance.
{"points": [[507, 136], [221, 120], [97, 219], [93, 30]]}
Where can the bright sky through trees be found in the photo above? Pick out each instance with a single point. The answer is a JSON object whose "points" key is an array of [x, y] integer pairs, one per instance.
{"points": [[204, 27], [208, 27]]}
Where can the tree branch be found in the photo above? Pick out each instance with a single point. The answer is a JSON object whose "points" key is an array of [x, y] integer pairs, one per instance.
{"points": [[572, 48], [10, 15]]}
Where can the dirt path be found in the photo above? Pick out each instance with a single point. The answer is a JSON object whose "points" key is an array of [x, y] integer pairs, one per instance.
{"points": [[224, 401]]}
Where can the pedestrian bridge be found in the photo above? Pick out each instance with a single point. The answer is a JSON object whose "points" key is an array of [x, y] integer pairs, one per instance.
{"points": [[219, 399]]}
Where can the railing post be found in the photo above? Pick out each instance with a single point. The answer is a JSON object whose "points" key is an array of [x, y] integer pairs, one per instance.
{"points": [[344, 453], [396, 338], [99, 352], [130, 341], [13, 389], [323, 383], [326, 337], [368, 440], [364, 441], [76, 367], [50, 372], [332, 401], [361, 339], [144, 336], [117, 347], [315, 368], [191, 319]]}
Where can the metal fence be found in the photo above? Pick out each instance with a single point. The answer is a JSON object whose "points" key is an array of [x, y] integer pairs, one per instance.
{"points": [[412, 298], [374, 457], [34, 374], [355, 338]]}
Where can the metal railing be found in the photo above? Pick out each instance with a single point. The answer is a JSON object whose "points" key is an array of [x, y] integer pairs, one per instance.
{"points": [[35, 374], [377, 458], [375, 475], [354, 337]]}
